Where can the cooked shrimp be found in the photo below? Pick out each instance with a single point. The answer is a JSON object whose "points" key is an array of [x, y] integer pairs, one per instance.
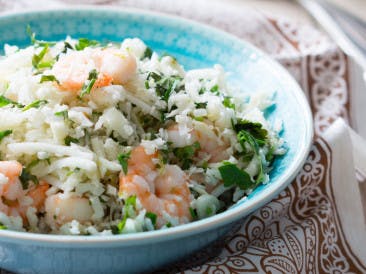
{"points": [[211, 145], [161, 192], [61, 209], [112, 65], [14, 200]]}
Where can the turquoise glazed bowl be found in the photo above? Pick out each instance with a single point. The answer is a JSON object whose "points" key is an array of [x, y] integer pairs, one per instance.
{"points": [[195, 46]]}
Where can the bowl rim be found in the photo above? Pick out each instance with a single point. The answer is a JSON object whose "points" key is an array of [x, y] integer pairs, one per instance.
{"points": [[196, 227]]}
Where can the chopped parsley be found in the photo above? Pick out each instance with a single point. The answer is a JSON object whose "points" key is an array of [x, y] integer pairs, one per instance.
{"points": [[48, 78], [85, 42], [147, 53], [227, 102], [2, 227], [254, 129], [63, 113], [68, 140], [5, 101], [34, 41], [152, 216], [37, 58], [35, 104], [123, 161], [185, 154], [166, 85], [130, 204], [245, 137], [88, 85], [27, 177], [234, 176], [201, 105], [5, 133], [215, 89], [193, 213]]}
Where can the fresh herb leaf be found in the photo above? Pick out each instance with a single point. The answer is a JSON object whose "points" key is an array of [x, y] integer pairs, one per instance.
{"points": [[168, 224], [35, 104], [152, 216], [26, 177], [63, 113], [185, 154], [246, 137], [48, 78], [228, 103], [215, 89], [34, 41], [147, 53], [193, 213], [147, 86], [68, 140], [254, 129], [233, 176], [130, 203], [66, 46], [5, 101], [166, 85], [37, 58], [46, 64], [2, 227], [201, 105], [31, 34], [88, 85], [123, 161], [5, 133], [85, 42]]}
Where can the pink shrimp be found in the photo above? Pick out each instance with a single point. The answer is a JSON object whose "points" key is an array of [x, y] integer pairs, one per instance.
{"points": [[210, 144], [159, 191], [13, 195], [112, 65], [61, 209]]}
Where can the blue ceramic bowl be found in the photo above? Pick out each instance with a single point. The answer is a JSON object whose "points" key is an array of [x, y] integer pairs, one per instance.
{"points": [[195, 46]]}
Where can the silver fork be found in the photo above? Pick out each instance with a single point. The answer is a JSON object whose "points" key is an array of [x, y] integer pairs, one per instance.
{"points": [[346, 30]]}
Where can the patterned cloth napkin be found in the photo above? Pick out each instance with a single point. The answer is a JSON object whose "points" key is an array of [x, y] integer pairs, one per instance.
{"points": [[317, 224]]}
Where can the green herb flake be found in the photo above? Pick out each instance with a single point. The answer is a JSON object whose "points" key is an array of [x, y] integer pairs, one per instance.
{"points": [[246, 137], [84, 42], [201, 105], [193, 213], [233, 176], [2, 227], [168, 224], [31, 34], [63, 113], [255, 129], [35, 104], [129, 203], [147, 53], [48, 78], [165, 85], [5, 133], [185, 154], [88, 85], [215, 89], [5, 101], [227, 102], [37, 58], [152, 216], [123, 161], [26, 177], [68, 140]]}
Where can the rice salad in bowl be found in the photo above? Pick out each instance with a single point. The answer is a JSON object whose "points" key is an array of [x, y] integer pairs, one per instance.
{"points": [[100, 139]]}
